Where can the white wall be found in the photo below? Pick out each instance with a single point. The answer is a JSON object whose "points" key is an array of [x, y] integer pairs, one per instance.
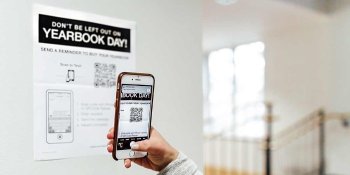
{"points": [[340, 60], [338, 140], [297, 71], [168, 45]]}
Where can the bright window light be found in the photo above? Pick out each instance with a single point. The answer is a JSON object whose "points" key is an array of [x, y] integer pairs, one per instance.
{"points": [[236, 91]]}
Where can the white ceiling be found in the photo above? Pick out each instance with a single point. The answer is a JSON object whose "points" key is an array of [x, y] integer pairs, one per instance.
{"points": [[250, 20]]}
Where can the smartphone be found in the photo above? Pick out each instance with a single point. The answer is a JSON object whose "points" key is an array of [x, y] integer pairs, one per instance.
{"points": [[59, 116], [133, 113], [70, 76]]}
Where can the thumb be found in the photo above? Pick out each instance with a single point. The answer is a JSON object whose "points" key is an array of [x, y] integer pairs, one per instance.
{"points": [[143, 146]]}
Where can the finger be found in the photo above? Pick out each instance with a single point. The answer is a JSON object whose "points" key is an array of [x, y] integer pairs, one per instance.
{"points": [[144, 146], [138, 161], [110, 148], [110, 142], [127, 163], [144, 162], [110, 134]]}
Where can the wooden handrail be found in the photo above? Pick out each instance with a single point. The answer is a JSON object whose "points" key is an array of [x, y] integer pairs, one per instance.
{"points": [[292, 132], [305, 125]]}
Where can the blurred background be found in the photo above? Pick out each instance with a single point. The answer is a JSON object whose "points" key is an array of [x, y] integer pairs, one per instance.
{"points": [[275, 87], [259, 87]]}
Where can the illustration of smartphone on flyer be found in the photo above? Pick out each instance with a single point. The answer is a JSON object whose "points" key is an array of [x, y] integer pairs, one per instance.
{"points": [[59, 116]]}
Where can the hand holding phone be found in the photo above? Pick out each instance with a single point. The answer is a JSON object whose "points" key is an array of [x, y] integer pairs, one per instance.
{"points": [[133, 113], [160, 152]]}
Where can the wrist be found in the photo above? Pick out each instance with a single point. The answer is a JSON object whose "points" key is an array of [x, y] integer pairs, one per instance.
{"points": [[170, 157], [173, 155]]}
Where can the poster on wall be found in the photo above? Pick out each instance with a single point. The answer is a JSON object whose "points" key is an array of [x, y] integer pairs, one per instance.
{"points": [[76, 58]]}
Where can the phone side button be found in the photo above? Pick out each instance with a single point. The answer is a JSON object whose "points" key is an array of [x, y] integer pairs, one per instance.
{"points": [[131, 153]]}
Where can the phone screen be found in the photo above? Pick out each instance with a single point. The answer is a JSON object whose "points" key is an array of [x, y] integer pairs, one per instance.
{"points": [[59, 112], [134, 114]]}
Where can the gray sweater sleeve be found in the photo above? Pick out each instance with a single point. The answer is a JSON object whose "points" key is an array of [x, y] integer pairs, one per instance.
{"points": [[181, 166]]}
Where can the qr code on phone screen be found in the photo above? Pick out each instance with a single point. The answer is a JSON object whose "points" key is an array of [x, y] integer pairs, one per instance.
{"points": [[104, 75], [136, 114]]}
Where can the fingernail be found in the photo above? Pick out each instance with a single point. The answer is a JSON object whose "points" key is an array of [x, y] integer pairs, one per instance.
{"points": [[135, 146]]}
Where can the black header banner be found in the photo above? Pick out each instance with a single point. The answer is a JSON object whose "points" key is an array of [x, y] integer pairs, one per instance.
{"points": [[64, 31], [135, 96]]}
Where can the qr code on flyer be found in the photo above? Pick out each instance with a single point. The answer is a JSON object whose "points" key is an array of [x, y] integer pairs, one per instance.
{"points": [[104, 75], [136, 114]]}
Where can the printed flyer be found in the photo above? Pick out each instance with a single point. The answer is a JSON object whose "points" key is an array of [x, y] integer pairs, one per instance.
{"points": [[76, 59]]}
